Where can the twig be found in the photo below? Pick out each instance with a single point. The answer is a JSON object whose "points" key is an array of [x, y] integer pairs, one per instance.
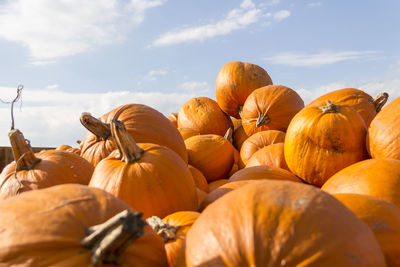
{"points": [[18, 97]]}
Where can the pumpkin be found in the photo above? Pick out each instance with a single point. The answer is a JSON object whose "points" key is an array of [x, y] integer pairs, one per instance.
{"points": [[321, 141], [203, 115], [384, 133], [187, 132], [30, 171], [382, 217], [270, 108], [236, 123], [263, 172], [235, 82], [75, 225], [201, 195], [374, 177], [144, 123], [199, 179], [257, 141], [272, 155], [281, 224], [239, 136], [211, 154], [173, 117], [172, 229], [217, 183], [150, 178], [362, 102]]}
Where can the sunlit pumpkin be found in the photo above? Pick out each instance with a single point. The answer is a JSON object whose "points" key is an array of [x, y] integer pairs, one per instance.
{"points": [[272, 155], [173, 117], [263, 172]]}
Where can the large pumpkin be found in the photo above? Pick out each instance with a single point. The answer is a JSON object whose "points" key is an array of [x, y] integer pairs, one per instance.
{"points": [[30, 171], [73, 225], [384, 132], [144, 123], [382, 217], [374, 177], [150, 178], [270, 108], [362, 102], [203, 115], [321, 141], [278, 223], [235, 82]]}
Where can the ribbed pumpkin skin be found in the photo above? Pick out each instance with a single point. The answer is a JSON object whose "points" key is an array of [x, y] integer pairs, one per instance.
{"points": [[355, 98], [56, 167], [203, 115], [184, 221], [278, 102], [48, 231], [272, 155], [384, 132], [144, 123], [211, 154], [374, 177], [159, 184], [235, 82], [263, 172], [317, 144], [382, 217], [278, 226], [257, 141]]}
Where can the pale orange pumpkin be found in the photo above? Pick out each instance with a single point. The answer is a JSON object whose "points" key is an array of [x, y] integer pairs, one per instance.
{"points": [[173, 117], [150, 178], [235, 82], [272, 155], [199, 179], [270, 108], [239, 136], [263, 172], [217, 183]]}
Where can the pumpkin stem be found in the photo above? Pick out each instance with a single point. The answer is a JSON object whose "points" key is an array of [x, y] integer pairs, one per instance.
{"points": [[330, 108], [228, 135], [108, 241], [262, 119], [165, 231], [23, 153], [130, 152], [100, 129], [240, 109], [380, 100]]}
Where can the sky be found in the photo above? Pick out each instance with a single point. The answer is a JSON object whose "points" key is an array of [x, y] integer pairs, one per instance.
{"points": [[76, 56]]}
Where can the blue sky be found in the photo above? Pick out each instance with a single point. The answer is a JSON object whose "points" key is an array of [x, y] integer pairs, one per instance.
{"points": [[75, 56]]}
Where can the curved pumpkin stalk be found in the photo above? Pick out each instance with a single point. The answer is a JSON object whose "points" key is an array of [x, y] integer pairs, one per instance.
{"points": [[330, 108], [23, 153], [380, 100], [108, 241], [100, 129], [262, 120], [165, 231]]}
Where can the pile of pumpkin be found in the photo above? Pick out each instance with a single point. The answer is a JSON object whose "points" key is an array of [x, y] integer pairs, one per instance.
{"points": [[254, 178]]}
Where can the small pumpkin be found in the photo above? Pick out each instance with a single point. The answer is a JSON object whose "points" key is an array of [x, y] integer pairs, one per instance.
{"points": [[173, 117], [263, 172], [235, 82], [321, 141], [239, 136], [272, 155], [203, 115], [150, 178], [270, 108], [199, 179], [187, 132], [217, 183]]}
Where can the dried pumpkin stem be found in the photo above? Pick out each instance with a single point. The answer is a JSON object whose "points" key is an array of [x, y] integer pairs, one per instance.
{"points": [[108, 241], [129, 150], [23, 153], [380, 100], [262, 119], [165, 231], [240, 109], [100, 129], [228, 135], [330, 108]]}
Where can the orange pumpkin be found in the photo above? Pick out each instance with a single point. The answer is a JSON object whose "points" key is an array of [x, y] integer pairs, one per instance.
{"points": [[145, 124], [272, 155], [201, 195], [74, 225], [199, 179], [382, 217], [239, 136], [374, 177], [263, 172], [257, 141], [235, 82], [187, 132], [211, 154], [203, 115], [384, 132], [217, 183], [236, 123], [362, 102], [281, 224], [321, 141], [270, 108], [150, 178], [172, 229], [173, 117], [30, 171]]}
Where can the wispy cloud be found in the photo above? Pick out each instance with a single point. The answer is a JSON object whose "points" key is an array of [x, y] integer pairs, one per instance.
{"points": [[314, 4], [323, 58], [195, 87], [154, 74], [239, 18], [52, 29]]}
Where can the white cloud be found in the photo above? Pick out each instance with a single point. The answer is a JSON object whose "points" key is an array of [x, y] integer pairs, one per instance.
{"points": [[154, 74], [280, 15], [239, 18], [53, 86], [314, 4], [322, 58], [195, 87], [52, 29]]}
